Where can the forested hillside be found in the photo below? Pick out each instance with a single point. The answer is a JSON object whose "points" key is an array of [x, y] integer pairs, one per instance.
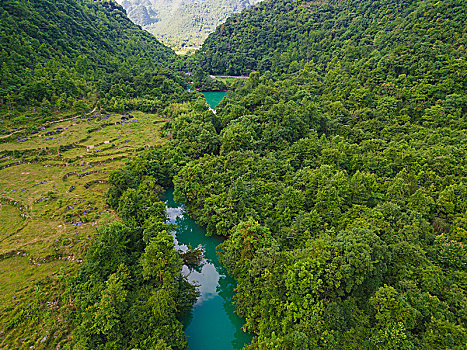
{"points": [[346, 220], [180, 23], [394, 35], [55, 53]]}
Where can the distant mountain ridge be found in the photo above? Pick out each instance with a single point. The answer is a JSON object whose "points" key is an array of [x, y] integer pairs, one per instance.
{"points": [[141, 11], [180, 23]]}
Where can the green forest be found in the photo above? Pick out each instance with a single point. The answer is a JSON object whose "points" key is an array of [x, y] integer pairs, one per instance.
{"points": [[401, 37], [337, 172]]}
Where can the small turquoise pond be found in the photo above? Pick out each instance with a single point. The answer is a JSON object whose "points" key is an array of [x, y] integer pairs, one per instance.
{"points": [[213, 98]]}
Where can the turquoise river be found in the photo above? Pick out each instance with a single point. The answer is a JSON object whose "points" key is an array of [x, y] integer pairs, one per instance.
{"points": [[212, 323]]}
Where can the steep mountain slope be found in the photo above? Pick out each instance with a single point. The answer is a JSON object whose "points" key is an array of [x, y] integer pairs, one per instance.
{"points": [[50, 48], [274, 33], [181, 23]]}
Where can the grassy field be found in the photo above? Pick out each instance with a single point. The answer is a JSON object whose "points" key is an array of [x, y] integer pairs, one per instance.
{"points": [[227, 80], [52, 199]]}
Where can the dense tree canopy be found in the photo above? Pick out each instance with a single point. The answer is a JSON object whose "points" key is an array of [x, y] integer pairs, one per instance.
{"points": [[419, 38], [346, 222]]}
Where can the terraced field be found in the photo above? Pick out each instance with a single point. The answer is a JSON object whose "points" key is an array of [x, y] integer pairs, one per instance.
{"points": [[52, 197]]}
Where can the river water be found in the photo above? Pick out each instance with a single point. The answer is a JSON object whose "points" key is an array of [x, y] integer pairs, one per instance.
{"points": [[212, 323]]}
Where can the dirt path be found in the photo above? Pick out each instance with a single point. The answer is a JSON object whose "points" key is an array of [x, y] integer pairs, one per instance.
{"points": [[50, 123], [229, 76], [14, 132]]}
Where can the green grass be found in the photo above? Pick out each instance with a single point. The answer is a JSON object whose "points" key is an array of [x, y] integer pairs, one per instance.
{"points": [[10, 220], [227, 81], [59, 224]]}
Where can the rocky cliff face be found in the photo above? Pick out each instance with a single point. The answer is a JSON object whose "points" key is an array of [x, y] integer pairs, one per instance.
{"points": [[182, 23]]}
